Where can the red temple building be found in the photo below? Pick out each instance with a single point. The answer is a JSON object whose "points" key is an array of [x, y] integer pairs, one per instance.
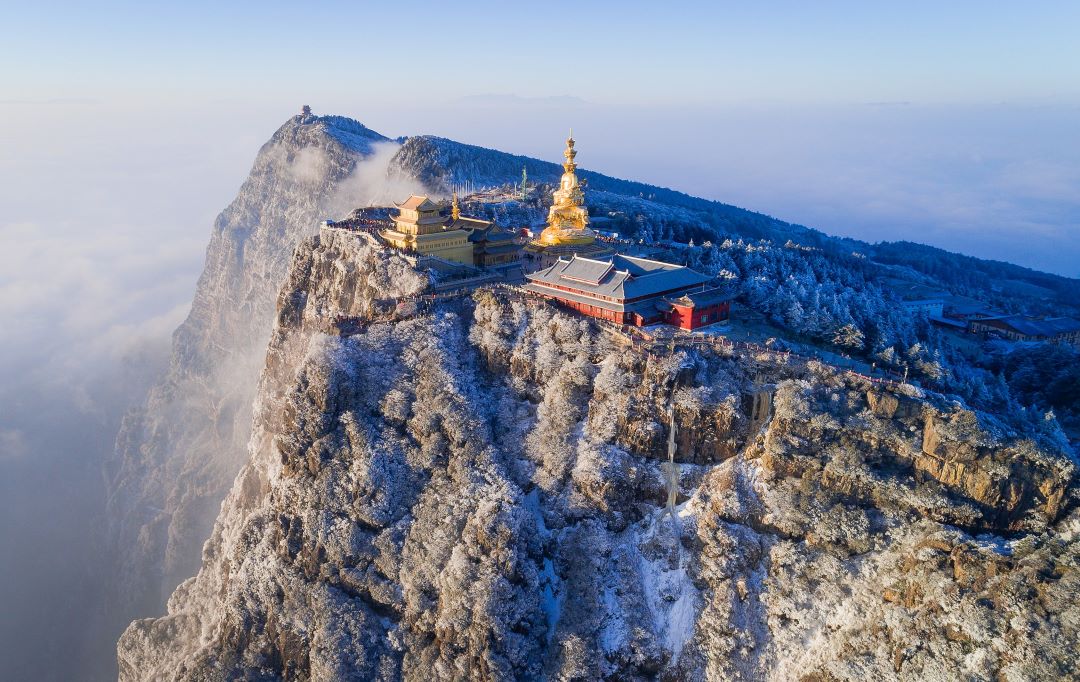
{"points": [[629, 290]]}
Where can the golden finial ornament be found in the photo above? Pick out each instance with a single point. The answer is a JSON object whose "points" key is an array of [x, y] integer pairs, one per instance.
{"points": [[455, 210]]}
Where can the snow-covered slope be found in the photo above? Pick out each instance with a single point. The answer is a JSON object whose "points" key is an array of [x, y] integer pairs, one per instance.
{"points": [[475, 493]]}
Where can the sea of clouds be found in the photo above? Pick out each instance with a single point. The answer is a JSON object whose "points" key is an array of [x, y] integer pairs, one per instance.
{"points": [[105, 219]]}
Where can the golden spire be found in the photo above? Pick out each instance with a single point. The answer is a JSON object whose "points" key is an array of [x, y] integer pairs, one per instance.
{"points": [[570, 153], [568, 219], [455, 210]]}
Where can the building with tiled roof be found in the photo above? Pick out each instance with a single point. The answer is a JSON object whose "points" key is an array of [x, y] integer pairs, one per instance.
{"points": [[699, 308], [965, 308], [493, 246], [422, 227], [1021, 328], [417, 203], [630, 290]]}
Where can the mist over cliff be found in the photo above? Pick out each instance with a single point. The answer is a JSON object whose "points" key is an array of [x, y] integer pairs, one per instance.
{"points": [[177, 455]]}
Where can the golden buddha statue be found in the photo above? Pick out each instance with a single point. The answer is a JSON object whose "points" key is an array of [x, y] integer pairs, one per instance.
{"points": [[568, 221]]}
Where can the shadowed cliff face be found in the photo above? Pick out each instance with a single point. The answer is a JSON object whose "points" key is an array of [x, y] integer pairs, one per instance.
{"points": [[475, 494], [176, 456]]}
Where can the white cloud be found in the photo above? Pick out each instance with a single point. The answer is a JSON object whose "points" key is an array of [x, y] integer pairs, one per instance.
{"points": [[371, 184], [82, 299]]}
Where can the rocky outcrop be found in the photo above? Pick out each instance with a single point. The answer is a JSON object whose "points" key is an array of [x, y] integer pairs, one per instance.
{"points": [[177, 455], [1011, 478], [937, 460], [712, 423], [891, 405], [453, 496]]}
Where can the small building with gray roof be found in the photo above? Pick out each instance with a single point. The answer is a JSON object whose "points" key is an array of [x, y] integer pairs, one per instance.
{"points": [[1020, 328]]}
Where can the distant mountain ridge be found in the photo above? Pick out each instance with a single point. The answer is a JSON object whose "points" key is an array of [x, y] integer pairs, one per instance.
{"points": [[442, 164]]}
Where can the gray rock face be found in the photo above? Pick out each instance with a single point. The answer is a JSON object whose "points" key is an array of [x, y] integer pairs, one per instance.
{"points": [[177, 456], [451, 497]]}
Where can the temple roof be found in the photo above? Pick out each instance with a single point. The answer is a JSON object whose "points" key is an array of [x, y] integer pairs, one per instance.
{"points": [[585, 270], [466, 223], [496, 248], [416, 202], [646, 307], [620, 277], [703, 299], [490, 233]]}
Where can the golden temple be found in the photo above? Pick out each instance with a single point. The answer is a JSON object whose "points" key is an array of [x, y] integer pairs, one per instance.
{"points": [[420, 227]]}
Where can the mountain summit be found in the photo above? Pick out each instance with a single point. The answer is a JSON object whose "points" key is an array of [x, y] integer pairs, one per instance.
{"points": [[177, 455], [476, 491]]}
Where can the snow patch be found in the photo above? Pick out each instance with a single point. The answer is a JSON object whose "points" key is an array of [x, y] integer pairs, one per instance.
{"points": [[672, 599], [552, 596]]}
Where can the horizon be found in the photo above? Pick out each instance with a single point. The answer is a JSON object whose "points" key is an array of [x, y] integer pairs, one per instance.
{"points": [[877, 123], [108, 175]]}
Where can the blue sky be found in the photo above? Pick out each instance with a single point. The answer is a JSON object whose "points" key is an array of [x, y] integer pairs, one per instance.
{"points": [[125, 127], [611, 52]]}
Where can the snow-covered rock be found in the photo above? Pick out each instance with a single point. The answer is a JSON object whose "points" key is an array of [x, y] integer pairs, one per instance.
{"points": [[177, 455], [453, 496]]}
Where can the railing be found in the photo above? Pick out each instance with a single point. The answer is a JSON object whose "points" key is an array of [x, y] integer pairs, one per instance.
{"points": [[467, 282]]}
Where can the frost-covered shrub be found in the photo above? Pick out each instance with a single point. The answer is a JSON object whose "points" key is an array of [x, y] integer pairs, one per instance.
{"points": [[845, 527], [396, 406], [790, 401], [692, 399], [562, 408]]}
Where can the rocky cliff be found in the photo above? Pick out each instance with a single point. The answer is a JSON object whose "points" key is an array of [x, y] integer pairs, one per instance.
{"points": [[475, 493], [177, 456]]}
